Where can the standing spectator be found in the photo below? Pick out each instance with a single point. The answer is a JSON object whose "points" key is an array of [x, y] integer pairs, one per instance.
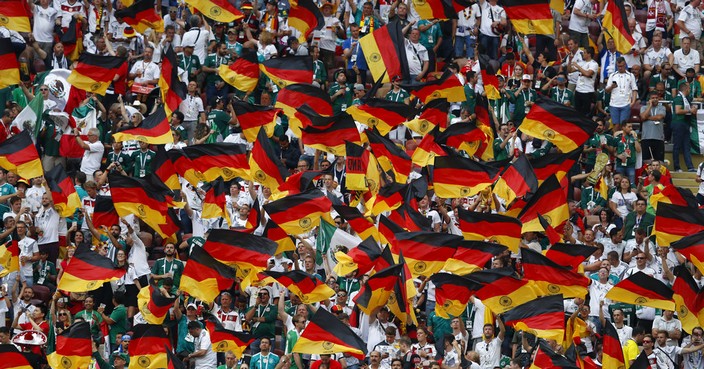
{"points": [[261, 318], [627, 147], [699, 179], [192, 109], [681, 121], [198, 36], [491, 25], [29, 253], [264, 359], [685, 58], [630, 348], [326, 44], [466, 33], [417, 55], [652, 129], [489, 348], [580, 18], [670, 325], [117, 321], [203, 357], [93, 151], [624, 92], [690, 24], [586, 70]]}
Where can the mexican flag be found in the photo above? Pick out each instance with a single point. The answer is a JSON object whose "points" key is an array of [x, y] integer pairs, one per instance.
{"points": [[30, 118], [331, 240], [696, 136]]}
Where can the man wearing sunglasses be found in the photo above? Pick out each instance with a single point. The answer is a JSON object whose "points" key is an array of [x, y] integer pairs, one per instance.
{"points": [[262, 319]]}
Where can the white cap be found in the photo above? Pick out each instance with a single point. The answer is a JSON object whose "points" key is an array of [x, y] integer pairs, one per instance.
{"points": [[527, 77]]}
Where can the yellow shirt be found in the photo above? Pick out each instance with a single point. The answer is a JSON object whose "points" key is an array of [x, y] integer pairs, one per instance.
{"points": [[630, 352]]}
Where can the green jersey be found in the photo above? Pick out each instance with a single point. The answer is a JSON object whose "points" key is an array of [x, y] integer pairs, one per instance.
{"points": [[429, 38], [191, 64], [397, 96], [142, 163], [163, 266], [219, 121], [214, 61], [341, 103]]}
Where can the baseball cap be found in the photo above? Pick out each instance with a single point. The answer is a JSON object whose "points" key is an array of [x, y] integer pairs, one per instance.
{"points": [[246, 5], [527, 77], [192, 305], [358, 87]]}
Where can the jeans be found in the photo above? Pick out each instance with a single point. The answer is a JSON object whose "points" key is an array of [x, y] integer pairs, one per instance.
{"points": [[620, 114], [490, 45], [629, 172], [680, 143], [465, 41]]}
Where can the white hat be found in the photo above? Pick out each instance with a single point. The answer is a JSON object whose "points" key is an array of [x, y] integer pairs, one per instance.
{"points": [[527, 77]]}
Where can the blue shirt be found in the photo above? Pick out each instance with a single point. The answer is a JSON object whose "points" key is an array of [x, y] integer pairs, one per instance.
{"points": [[361, 61]]}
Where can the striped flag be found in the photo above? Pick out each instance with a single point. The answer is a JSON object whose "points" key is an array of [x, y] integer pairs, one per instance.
{"points": [[252, 117], [558, 124], [154, 130], [9, 66], [305, 17], [264, 165], [289, 70], [497, 228], [456, 176], [141, 16], [673, 222], [307, 287], [530, 17], [642, 289], [217, 10], [544, 317], [88, 271], [243, 74], [385, 52], [63, 192], [12, 358], [153, 304], [95, 73], [9, 258], [225, 340], [19, 155], [204, 277], [615, 23], [147, 346], [452, 293], [326, 335], [14, 15], [73, 346], [294, 96], [472, 256], [172, 90]]}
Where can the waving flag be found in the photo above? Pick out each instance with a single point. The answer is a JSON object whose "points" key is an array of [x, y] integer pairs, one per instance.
{"points": [[94, 73], [153, 305], [383, 114], [452, 293], [544, 317], [558, 124], [9, 258], [63, 193], [147, 346], [497, 228], [673, 222], [9, 66], [88, 271], [289, 70], [243, 74], [306, 286], [12, 358], [642, 289], [447, 87], [391, 158], [305, 17], [141, 16], [551, 278], [210, 161], [299, 213], [253, 117], [501, 290], [456, 176], [217, 10], [225, 340], [73, 346], [532, 17], [325, 335], [204, 277], [385, 52], [425, 252], [361, 258], [376, 292], [689, 299], [472, 256], [154, 129], [19, 155], [172, 90], [615, 22], [249, 253]]}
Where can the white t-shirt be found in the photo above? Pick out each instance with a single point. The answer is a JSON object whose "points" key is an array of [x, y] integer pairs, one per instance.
{"points": [[700, 174], [622, 201], [191, 107], [44, 19], [653, 58], [68, 10], [610, 246], [48, 221], [692, 19], [489, 354], [621, 95], [327, 34], [28, 246], [467, 20], [586, 84], [416, 54], [92, 157], [200, 38], [150, 71], [684, 62], [202, 342], [489, 15], [579, 23]]}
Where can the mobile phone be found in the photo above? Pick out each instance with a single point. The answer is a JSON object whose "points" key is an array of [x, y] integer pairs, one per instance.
{"points": [[101, 306]]}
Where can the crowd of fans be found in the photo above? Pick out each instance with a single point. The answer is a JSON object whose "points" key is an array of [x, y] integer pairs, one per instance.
{"points": [[640, 100]]}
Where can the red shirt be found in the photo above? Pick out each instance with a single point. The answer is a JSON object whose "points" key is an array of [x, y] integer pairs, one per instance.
{"points": [[334, 364]]}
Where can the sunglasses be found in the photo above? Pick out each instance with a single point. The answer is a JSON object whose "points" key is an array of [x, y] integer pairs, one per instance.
{"points": [[637, 258], [647, 341], [263, 294], [43, 89]]}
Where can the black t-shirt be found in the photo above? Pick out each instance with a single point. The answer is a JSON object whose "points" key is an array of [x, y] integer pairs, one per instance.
{"points": [[410, 360]]}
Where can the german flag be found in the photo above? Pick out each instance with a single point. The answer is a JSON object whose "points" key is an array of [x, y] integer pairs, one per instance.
{"points": [[183, 166], [551, 278], [225, 340], [94, 73], [446, 87], [169, 231], [427, 150], [462, 136], [88, 271], [391, 158], [642, 289], [283, 241], [546, 358], [214, 203], [254, 218], [361, 258], [615, 23], [689, 301], [672, 194], [214, 160], [253, 117], [386, 260], [12, 358], [383, 114], [496, 228], [204, 277], [425, 252], [501, 290], [568, 254], [9, 258], [691, 247], [298, 183], [140, 197], [245, 251], [550, 232], [174, 362], [434, 114], [305, 17], [385, 51], [309, 288], [363, 226], [10, 72], [472, 256], [104, 213], [153, 304], [154, 130], [147, 345], [672, 222], [264, 165], [361, 169], [550, 201], [73, 346], [544, 317], [72, 39], [243, 74], [18, 155], [379, 287], [456, 176], [558, 124], [299, 213], [436, 9], [388, 231], [485, 123], [63, 192], [489, 78], [532, 17], [289, 70], [612, 350], [554, 163], [516, 180], [164, 169], [332, 139], [142, 16], [295, 96], [217, 10], [452, 293], [172, 90], [410, 219], [401, 301], [325, 335], [15, 17]]}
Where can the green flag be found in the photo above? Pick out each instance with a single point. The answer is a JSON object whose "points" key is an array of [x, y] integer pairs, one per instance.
{"points": [[330, 240], [30, 118]]}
